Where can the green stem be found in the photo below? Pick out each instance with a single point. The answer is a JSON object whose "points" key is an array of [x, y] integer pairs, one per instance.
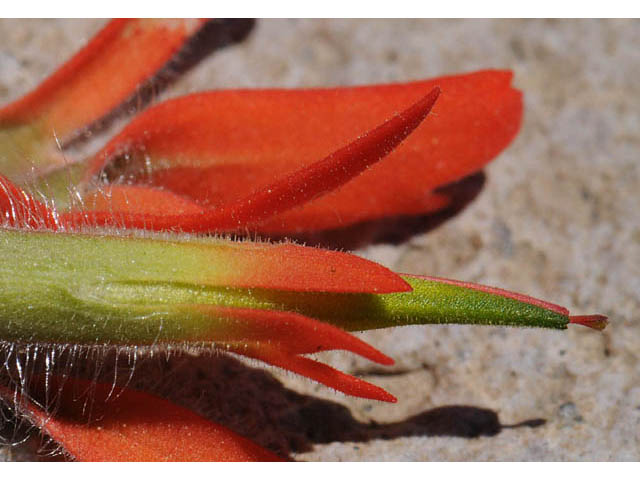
{"points": [[93, 289]]}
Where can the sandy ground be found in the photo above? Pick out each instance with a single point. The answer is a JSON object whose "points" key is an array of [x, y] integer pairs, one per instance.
{"points": [[558, 218]]}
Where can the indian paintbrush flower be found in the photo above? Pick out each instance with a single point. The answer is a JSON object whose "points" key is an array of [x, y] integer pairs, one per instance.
{"points": [[128, 264]]}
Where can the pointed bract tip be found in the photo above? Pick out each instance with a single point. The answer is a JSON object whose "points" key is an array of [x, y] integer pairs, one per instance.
{"points": [[381, 358], [428, 101], [389, 398], [374, 392], [597, 322]]}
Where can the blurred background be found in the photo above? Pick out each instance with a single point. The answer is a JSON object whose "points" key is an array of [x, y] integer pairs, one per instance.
{"points": [[556, 216]]}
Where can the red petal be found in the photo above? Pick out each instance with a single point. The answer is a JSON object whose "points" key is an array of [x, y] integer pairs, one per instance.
{"points": [[134, 426], [290, 332], [333, 171], [225, 144], [282, 194], [315, 370], [343, 208], [139, 200], [101, 75], [278, 338]]}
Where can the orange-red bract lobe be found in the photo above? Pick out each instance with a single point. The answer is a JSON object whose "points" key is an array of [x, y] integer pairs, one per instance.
{"points": [[101, 75], [317, 371], [289, 331], [216, 148], [131, 426], [291, 190], [293, 267], [280, 339]]}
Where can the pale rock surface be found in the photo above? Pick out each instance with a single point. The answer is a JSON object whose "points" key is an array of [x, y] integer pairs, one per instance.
{"points": [[558, 218]]}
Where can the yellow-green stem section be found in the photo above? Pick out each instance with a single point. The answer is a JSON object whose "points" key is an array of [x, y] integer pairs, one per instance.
{"points": [[101, 289]]}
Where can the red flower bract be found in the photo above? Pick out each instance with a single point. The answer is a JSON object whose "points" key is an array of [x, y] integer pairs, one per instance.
{"points": [[263, 161]]}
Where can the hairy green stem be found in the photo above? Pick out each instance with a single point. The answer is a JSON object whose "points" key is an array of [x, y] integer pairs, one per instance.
{"points": [[101, 289]]}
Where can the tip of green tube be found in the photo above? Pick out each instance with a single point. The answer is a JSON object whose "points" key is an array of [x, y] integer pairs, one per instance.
{"points": [[597, 322]]}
